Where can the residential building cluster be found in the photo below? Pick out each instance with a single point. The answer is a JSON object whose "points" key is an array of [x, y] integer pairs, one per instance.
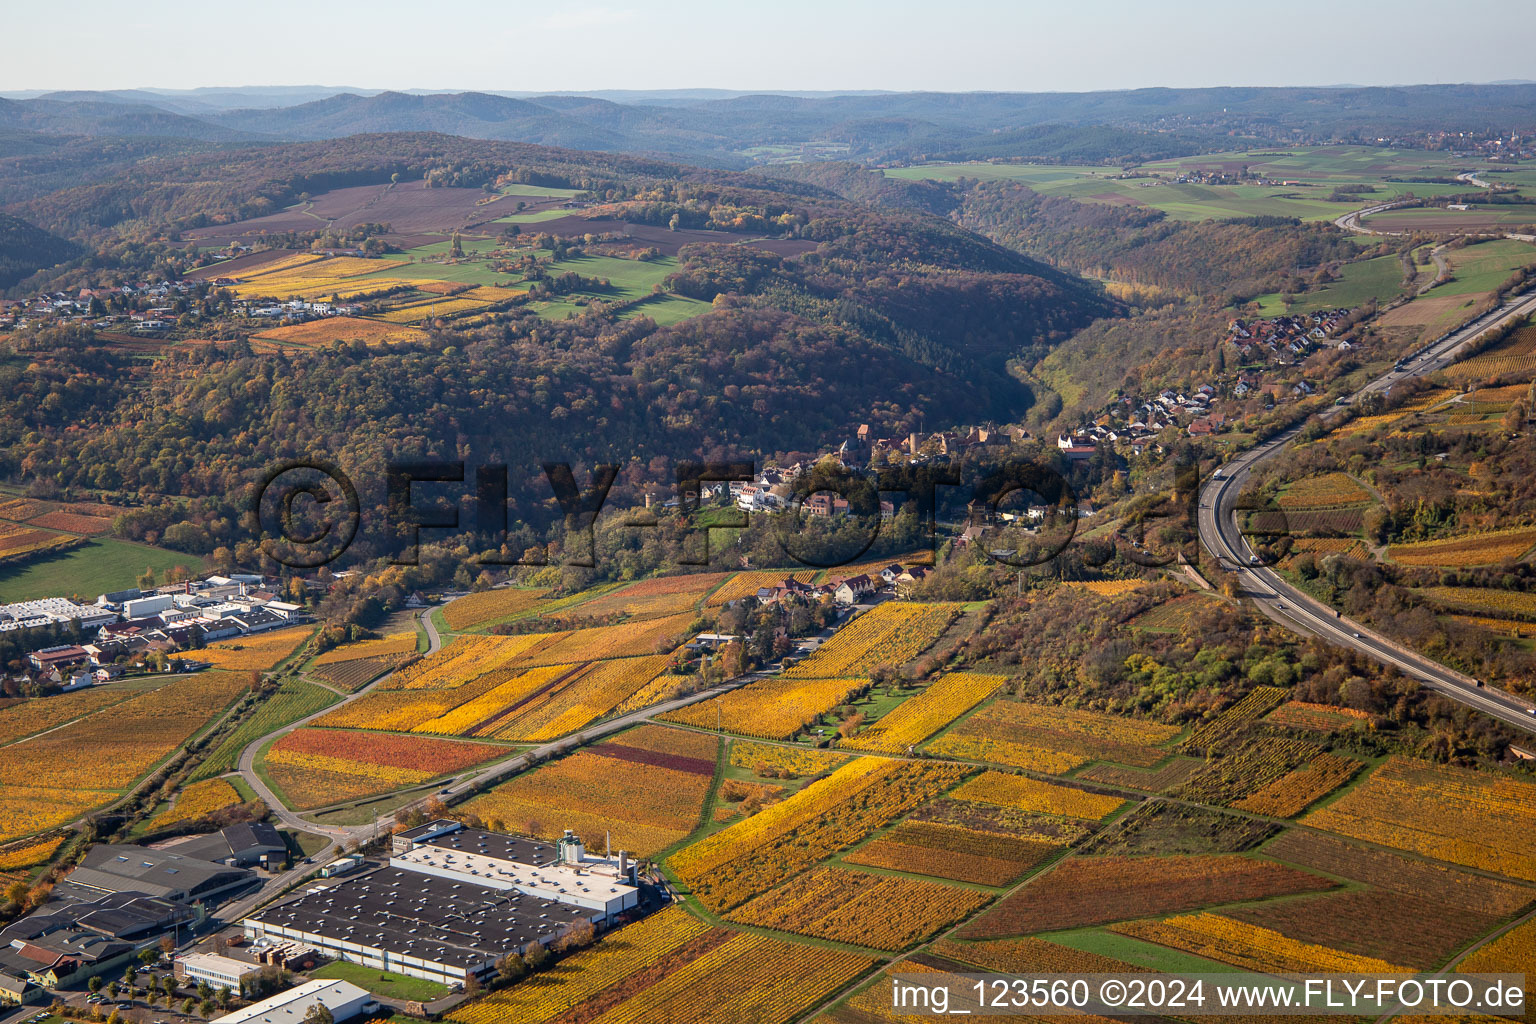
{"points": [[1286, 339], [844, 590]]}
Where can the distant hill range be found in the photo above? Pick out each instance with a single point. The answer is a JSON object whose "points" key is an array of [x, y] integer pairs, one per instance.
{"points": [[720, 128]]}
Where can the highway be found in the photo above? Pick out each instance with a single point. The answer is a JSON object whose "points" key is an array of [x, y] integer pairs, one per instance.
{"points": [[1221, 536]]}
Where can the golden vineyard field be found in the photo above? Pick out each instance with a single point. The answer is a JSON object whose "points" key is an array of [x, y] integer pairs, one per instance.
{"points": [[769, 708], [1323, 491], [1471, 549], [489, 605], [54, 777], [917, 718], [1401, 805], [390, 646], [252, 653], [893, 634]]}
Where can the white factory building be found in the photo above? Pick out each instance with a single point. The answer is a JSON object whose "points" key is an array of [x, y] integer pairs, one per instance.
{"points": [[564, 872], [452, 902], [344, 999]]}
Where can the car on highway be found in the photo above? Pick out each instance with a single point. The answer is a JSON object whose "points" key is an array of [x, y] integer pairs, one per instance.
{"points": [[1253, 559], [1355, 635]]}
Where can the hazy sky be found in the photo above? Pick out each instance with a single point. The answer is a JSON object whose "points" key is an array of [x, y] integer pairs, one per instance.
{"points": [[787, 44]]}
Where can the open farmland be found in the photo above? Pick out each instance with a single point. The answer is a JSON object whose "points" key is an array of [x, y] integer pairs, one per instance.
{"points": [[1083, 891], [55, 776], [94, 567], [1431, 219], [197, 801], [772, 761], [1452, 814], [1378, 923], [916, 718], [774, 708], [491, 605], [1469, 549], [391, 646], [1305, 178], [1027, 794], [1400, 873], [514, 688], [408, 207], [1295, 714], [1231, 725], [28, 854], [1378, 279], [318, 767], [745, 860], [320, 333], [1053, 739], [19, 543], [646, 787], [292, 701], [1515, 354], [1251, 947], [878, 911], [253, 653], [954, 852], [673, 969], [655, 598], [1323, 491]]}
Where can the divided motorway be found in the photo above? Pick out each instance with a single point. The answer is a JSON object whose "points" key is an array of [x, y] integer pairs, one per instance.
{"points": [[1282, 602]]}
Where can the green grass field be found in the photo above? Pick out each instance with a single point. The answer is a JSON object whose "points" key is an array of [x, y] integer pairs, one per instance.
{"points": [[382, 983], [438, 250], [459, 273], [94, 568], [1313, 172], [294, 700], [1380, 279], [532, 217], [539, 191], [1478, 217], [629, 279], [670, 309], [1484, 266]]}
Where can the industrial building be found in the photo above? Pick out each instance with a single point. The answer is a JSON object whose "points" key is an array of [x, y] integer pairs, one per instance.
{"points": [[244, 844], [344, 999], [452, 902], [562, 870], [167, 874], [217, 971]]}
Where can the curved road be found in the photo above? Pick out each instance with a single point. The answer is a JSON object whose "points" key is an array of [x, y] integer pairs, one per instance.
{"points": [[1282, 602]]}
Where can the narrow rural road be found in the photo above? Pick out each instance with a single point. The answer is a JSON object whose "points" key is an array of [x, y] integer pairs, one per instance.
{"points": [[1221, 535]]}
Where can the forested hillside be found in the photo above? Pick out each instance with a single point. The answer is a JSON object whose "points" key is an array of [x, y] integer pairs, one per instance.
{"points": [[894, 318], [1142, 246], [25, 249]]}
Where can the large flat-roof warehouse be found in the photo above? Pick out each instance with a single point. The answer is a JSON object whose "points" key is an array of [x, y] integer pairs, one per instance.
{"points": [[416, 924]]}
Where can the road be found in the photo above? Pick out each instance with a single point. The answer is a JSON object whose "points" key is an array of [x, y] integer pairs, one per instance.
{"points": [[1221, 536], [1351, 221], [339, 835]]}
